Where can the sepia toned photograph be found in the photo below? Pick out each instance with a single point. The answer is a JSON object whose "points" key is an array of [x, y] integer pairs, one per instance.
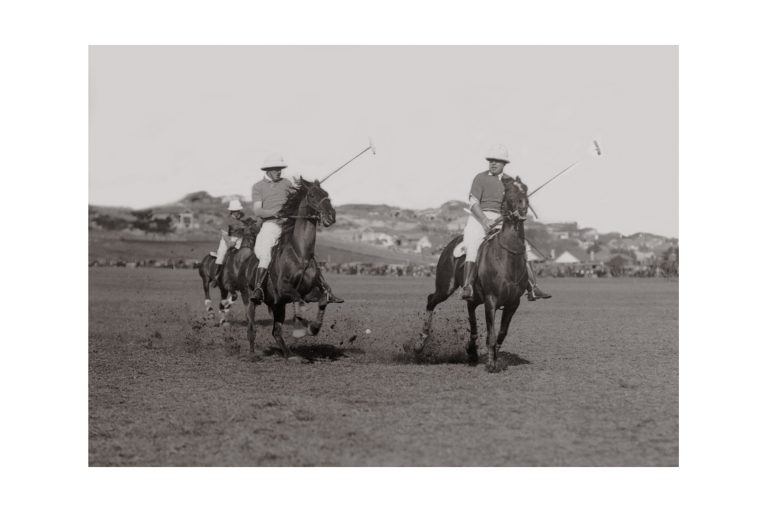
{"points": [[383, 256]]}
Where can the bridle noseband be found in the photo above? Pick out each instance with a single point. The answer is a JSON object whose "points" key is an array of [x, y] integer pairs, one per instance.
{"points": [[313, 207]]}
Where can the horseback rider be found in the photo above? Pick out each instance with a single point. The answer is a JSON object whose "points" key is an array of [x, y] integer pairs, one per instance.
{"points": [[485, 199], [232, 231], [269, 196]]}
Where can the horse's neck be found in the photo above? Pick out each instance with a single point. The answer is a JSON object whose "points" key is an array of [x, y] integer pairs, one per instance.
{"points": [[509, 232], [304, 233], [509, 235]]}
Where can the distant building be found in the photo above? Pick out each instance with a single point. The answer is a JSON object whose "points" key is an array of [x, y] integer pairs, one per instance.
{"points": [[563, 230], [369, 236], [423, 244], [186, 221], [588, 234]]}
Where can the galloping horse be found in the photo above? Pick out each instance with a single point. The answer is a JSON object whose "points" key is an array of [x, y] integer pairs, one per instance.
{"points": [[501, 275], [228, 281], [233, 272], [293, 272]]}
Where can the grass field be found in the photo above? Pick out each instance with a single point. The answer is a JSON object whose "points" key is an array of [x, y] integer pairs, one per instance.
{"points": [[590, 378]]}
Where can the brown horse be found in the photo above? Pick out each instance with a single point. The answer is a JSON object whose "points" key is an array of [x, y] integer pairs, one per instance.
{"points": [[293, 275], [232, 279], [501, 275]]}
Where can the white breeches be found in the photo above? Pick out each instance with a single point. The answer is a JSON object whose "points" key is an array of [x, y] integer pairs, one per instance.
{"points": [[224, 245], [474, 234], [266, 239]]}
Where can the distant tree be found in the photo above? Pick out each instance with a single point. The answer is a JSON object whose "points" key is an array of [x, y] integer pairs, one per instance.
{"points": [[111, 223], [616, 265]]}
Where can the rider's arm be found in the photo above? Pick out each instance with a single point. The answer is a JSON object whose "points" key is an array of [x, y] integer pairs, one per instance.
{"points": [[260, 212]]}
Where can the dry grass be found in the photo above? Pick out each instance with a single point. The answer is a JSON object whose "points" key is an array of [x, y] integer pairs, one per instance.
{"points": [[591, 378]]}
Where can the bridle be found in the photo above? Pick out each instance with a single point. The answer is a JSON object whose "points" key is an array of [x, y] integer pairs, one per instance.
{"points": [[313, 207], [516, 218]]}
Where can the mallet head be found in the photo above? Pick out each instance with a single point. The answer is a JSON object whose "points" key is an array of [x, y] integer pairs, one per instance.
{"points": [[370, 144]]}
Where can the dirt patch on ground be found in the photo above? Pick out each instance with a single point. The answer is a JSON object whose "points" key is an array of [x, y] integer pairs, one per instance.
{"points": [[590, 378]]}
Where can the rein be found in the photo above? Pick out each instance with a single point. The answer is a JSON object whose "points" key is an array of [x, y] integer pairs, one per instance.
{"points": [[515, 218]]}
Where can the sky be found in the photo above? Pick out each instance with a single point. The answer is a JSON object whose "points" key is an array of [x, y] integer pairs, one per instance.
{"points": [[169, 120]]}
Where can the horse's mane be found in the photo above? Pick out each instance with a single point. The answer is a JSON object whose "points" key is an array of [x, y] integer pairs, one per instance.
{"points": [[290, 208]]}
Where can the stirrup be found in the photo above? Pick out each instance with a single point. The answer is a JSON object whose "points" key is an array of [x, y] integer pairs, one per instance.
{"points": [[333, 299], [535, 293], [253, 298]]}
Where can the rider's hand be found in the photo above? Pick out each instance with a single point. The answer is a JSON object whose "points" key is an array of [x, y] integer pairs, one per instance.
{"points": [[486, 227]]}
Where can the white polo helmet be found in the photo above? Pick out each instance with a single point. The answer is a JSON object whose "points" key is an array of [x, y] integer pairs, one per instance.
{"points": [[498, 152], [273, 162], [234, 205]]}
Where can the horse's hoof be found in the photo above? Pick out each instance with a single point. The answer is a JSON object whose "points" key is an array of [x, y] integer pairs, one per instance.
{"points": [[472, 357], [492, 368], [419, 345], [314, 328], [299, 333]]}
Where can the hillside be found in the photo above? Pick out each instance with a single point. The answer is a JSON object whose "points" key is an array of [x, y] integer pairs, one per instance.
{"points": [[363, 232]]}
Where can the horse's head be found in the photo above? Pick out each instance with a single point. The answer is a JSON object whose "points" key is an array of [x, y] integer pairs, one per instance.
{"points": [[515, 197], [319, 203]]}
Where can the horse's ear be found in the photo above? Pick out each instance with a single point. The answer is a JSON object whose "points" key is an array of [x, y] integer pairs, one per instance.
{"points": [[317, 183]]}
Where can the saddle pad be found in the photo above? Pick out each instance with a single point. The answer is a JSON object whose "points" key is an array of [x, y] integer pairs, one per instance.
{"points": [[461, 248], [213, 253]]}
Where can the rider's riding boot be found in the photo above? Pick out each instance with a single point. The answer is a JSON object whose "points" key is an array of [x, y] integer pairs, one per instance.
{"points": [[534, 293], [257, 294], [332, 299], [470, 270]]}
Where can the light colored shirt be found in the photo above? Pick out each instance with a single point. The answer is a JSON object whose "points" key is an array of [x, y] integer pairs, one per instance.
{"points": [[271, 194]]}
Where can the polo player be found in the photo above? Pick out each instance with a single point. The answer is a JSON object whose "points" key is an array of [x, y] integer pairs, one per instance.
{"points": [[232, 231], [485, 199], [269, 196]]}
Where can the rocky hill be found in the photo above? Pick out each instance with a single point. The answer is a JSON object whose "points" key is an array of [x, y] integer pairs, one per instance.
{"points": [[378, 231]]}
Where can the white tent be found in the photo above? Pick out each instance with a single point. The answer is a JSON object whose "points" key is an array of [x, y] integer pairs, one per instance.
{"points": [[566, 257]]}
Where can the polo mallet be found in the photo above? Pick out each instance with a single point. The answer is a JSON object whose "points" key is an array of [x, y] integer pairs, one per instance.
{"points": [[594, 147], [370, 146]]}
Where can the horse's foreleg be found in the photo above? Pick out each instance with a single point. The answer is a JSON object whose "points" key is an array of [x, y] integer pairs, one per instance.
{"points": [[445, 285], [432, 301], [317, 323], [472, 343], [278, 312], [244, 297], [490, 341], [224, 305], [506, 317], [208, 301], [251, 312]]}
